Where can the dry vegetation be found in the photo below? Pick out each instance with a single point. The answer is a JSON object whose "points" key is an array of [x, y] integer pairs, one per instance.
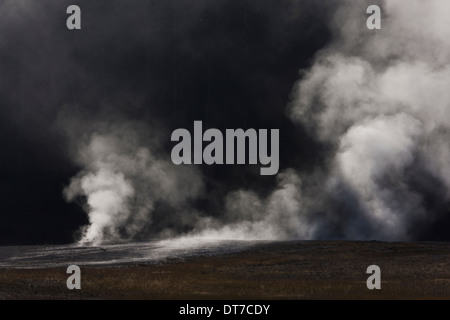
{"points": [[288, 270]]}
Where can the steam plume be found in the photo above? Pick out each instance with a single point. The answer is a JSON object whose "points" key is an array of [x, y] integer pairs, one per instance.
{"points": [[380, 100], [123, 181], [376, 100]]}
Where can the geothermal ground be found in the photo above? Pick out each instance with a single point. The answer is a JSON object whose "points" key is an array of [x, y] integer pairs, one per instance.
{"points": [[229, 270]]}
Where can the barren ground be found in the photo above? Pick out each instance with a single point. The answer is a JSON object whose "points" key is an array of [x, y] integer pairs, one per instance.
{"points": [[281, 270]]}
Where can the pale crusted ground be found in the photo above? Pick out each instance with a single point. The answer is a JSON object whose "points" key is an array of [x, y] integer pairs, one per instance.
{"points": [[282, 270]]}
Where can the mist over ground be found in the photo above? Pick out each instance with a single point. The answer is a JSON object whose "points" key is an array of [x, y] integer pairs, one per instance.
{"points": [[87, 117]]}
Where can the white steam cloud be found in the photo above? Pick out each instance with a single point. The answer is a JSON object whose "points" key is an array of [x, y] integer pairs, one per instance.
{"points": [[281, 215], [123, 181], [378, 99], [381, 99]]}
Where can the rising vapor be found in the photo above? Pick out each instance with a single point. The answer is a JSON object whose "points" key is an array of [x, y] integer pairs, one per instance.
{"points": [[376, 100], [380, 100], [123, 181]]}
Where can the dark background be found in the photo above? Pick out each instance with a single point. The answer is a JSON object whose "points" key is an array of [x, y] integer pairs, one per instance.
{"points": [[228, 63]]}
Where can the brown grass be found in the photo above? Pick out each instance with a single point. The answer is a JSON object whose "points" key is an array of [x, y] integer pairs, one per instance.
{"points": [[290, 270]]}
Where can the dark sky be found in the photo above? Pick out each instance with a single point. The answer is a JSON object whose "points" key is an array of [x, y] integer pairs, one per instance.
{"points": [[228, 63]]}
